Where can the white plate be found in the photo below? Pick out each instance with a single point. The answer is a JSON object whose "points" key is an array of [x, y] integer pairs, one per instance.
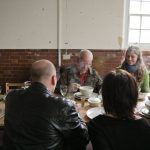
{"points": [[94, 100], [143, 96], [78, 95], [93, 112], [147, 103], [145, 112]]}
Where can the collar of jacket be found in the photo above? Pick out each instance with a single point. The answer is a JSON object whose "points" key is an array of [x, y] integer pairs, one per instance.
{"points": [[40, 87], [90, 70]]}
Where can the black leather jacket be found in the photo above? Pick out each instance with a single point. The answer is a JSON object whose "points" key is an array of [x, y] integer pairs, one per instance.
{"points": [[36, 120]]}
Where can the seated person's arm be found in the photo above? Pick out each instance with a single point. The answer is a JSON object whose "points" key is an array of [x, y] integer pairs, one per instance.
{"points": [[72, 128], [145, 83], [98, 82]]}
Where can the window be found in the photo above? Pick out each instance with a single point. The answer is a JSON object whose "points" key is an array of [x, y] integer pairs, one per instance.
{"points": [[139, 22]]}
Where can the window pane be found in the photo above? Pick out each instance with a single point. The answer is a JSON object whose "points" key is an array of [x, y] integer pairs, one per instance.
{"points": [[146, 0], [139, 21], [145, 9], [145, 36], [134, 36], [145, 23], [134, 22], [134, 7]]}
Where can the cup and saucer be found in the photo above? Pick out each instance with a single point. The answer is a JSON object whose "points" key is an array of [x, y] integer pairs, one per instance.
{"points": [[79, 95]]}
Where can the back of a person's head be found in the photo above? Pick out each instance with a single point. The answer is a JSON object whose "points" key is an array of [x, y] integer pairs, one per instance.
{"points": [[120, 93], [42, 69]]}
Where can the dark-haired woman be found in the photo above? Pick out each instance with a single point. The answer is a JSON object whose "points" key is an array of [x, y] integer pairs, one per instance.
{"points": [[119, 128]]}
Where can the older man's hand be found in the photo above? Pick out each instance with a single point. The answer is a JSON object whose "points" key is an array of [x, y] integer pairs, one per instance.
{"points": [[73, 87]]}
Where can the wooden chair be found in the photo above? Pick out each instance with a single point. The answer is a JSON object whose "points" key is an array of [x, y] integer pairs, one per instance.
{"points": [[10, 86]]}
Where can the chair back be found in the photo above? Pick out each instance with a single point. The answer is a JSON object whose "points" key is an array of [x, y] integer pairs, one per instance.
{"points": [[11, 86]]}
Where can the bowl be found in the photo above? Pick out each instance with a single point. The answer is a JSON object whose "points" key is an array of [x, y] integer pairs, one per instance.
{"points": [[147, 104], [86, 90], [94, 101]]}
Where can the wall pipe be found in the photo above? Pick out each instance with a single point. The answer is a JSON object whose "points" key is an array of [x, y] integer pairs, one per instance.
{"points": [[59, 31]]}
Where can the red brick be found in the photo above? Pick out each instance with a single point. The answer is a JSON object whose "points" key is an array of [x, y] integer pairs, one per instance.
{"points": [[15, 64]]}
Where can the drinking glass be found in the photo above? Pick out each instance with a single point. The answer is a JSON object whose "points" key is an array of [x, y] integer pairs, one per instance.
{"points": [[83, 101], [100, 94], [100, 91], [63, 90]]}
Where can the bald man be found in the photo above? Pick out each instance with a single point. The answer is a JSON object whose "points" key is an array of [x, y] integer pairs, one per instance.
{"points": [[37, 120], [81, 73]]}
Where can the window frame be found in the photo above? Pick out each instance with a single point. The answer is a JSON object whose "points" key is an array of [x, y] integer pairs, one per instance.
{"points": [[127, 15]]}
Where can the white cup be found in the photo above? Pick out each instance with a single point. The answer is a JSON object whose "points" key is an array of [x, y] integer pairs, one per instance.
{"points": [[86, 90]]}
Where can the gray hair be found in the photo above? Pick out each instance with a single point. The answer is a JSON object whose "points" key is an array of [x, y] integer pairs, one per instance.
{"points": [[85, 52], [136, 50], [140, 63]]}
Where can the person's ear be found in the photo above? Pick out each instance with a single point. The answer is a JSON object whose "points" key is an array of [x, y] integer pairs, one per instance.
{"points": [[54, 80]]}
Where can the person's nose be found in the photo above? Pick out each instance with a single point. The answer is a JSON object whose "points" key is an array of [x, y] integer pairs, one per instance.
{"points": [[129, 58]]}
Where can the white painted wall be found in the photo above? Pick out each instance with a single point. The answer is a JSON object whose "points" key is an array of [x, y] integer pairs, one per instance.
{"points": [[28, 24], [93, 24]]}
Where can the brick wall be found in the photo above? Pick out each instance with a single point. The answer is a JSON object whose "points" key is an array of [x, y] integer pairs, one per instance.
{"points": [[15, 64], [105, 60]]}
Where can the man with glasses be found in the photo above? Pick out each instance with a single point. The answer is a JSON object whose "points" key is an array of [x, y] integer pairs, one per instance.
{"points": [[81, 73]]}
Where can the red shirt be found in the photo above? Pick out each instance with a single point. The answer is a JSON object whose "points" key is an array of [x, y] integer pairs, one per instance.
{"points": [[83, 77]]}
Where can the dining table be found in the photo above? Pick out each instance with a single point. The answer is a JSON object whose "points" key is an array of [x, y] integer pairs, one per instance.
{"points": [[82, 107]]}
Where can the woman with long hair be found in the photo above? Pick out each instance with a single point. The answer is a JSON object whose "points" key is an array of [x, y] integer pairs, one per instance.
{"points": [[133, 63]]}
